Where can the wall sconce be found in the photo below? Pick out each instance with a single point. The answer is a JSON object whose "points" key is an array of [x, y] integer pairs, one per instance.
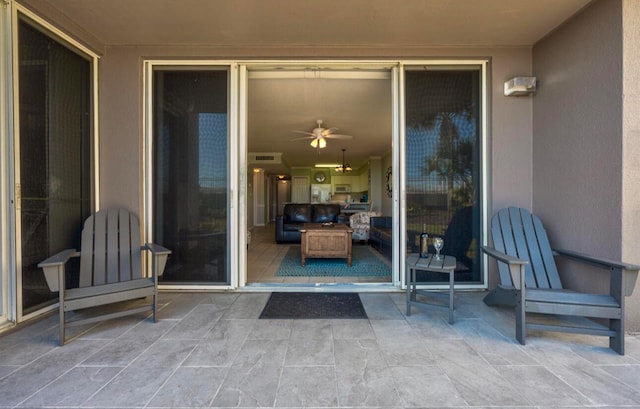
{"points": [[518, 86], [257, 170]]}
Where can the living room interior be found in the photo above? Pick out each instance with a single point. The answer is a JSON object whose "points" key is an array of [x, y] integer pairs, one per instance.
{"points": [[303, 124]]}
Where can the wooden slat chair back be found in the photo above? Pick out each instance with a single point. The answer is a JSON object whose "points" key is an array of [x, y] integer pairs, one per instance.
{"points": [[524, 255], [518, 233], [111, 250], [110, 269]]}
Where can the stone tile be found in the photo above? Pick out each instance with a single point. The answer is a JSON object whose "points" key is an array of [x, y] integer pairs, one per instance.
{"points": [[149, 330], [358, 354], [135, 386], [626, 374], [249, 386], [367, 385], [271, 329], [22, 383], [247, 306], [197, 323], [190, 387], [305, 386], [310, 351], [352, 329], [119, 352], [542, 387], [25, 351], [114, 328], [311, 329], [492, 345], [167, 353], [178, 307], [434, 327], [597, 384], [74, 387], [476, 381], [223, 343], [401, 345], [426, 386], [262, 352], [380, 307]]}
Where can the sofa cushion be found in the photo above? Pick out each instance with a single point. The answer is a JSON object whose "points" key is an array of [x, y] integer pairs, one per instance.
{"points": [[297, 213], [325, 213], [293, 226]]}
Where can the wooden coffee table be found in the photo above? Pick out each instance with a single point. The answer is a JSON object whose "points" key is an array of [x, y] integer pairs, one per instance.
{"points": [[325, 241]]}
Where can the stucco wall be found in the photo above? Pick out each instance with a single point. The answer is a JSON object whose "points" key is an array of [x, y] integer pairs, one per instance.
{"points": [[578, 140], [121, 113], [631, 148]]}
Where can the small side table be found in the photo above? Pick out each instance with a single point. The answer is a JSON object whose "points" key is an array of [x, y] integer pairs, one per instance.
{"points": [[445, 264]]}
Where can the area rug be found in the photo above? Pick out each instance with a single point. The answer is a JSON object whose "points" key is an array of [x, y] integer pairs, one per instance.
{"points": [[314, 305], [364, 263]]}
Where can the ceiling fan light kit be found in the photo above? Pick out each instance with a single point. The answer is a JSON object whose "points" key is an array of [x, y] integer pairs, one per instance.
{"points": [[319, 143], [319, 135]]}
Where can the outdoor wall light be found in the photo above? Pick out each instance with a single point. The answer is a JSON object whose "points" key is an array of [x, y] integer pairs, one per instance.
{"points": [[519, 86]]}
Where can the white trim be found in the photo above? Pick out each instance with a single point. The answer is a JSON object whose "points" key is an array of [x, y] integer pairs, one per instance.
{"points": [[400, 175], [484, 155], [243, 156], [235, 240], [6, 130], [233, 147]]}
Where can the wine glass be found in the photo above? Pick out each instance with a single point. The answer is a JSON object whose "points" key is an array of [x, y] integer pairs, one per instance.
{"points": [[437, 244]]}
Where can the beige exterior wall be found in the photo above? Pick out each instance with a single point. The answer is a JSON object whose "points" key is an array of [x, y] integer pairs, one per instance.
{"points": [[579, 171], [631, 147], [121, 112]]}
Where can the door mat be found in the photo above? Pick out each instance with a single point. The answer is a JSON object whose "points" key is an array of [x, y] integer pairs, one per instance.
{"points": [[313, 305]]}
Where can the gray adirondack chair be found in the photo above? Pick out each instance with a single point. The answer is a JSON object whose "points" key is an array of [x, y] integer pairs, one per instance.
{"points": [[110, 269], [523, 253]]}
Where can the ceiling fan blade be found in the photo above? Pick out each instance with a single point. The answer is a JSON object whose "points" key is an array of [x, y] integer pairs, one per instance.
{"points": [[306, 133], [329, 131], [339, 136], [304, 137]]}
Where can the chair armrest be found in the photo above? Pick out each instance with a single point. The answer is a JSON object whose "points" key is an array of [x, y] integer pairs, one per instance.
{"points": [[160, 255], [623, 275], [157, 249], [505, 258], [59, 259], [516, 269], [54, 268], [598, 261]]}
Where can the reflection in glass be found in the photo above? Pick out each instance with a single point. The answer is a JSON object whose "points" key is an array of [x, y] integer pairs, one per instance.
{"points": [[55, 156], [443, 164], [190, 174]]}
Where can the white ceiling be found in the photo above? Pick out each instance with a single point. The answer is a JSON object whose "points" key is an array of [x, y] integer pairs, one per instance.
{"points": [[277, 107]]}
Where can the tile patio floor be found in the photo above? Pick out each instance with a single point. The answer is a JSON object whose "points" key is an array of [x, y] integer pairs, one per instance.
{"points": [[209, 349]]}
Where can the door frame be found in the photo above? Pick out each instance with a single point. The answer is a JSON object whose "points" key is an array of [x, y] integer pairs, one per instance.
{"points": [[238, 155], [12, 213], [237, 177]]}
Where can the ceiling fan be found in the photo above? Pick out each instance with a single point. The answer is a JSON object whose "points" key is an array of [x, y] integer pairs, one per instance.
{"points": [[320, 135]]}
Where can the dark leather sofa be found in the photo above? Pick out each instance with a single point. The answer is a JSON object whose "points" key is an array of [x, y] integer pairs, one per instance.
{"points": [[380, 235], [295, 215]]}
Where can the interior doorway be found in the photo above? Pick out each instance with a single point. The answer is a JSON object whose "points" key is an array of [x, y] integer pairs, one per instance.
{"points": [[285, 106]]}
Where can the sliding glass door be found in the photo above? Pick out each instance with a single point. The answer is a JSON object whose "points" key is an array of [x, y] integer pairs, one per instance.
{"points": [[190, 181], [443, 165], [54, 189]]}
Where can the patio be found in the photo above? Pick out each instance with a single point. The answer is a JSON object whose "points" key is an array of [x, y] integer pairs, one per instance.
{"points": [[209, 349]]}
